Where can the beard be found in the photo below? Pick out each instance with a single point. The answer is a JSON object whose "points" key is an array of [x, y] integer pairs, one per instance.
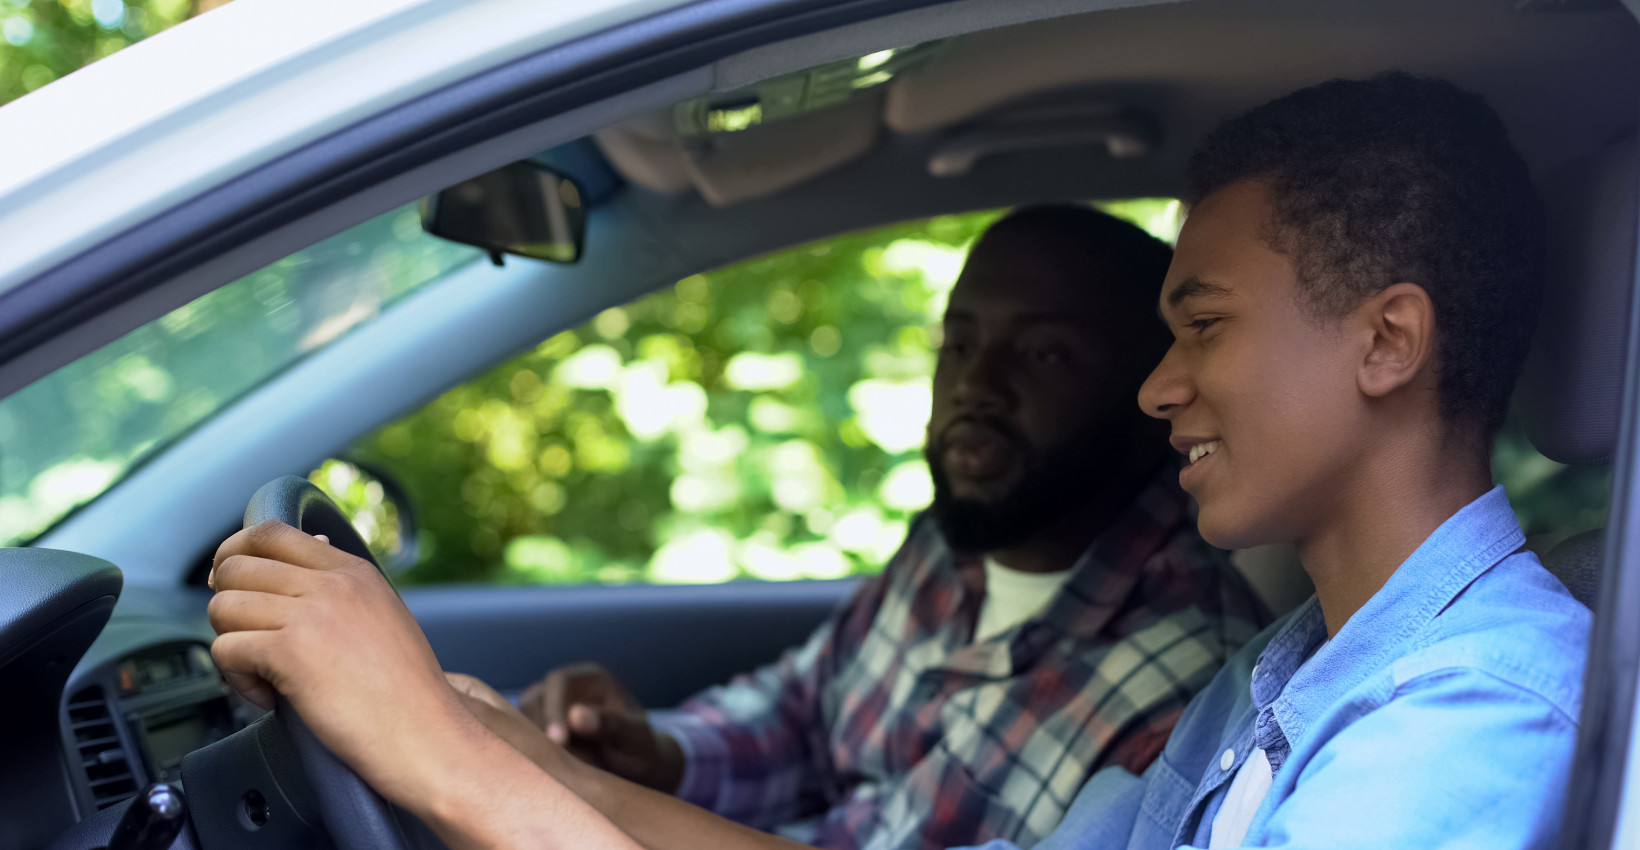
{"points": [[1053, 483]]}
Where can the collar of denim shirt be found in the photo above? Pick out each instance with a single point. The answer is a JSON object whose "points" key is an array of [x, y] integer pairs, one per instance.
{"points": [[1285, 688]]}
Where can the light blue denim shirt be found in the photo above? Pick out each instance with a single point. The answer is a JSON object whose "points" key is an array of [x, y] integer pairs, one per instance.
{"points": [[1443, 714]]}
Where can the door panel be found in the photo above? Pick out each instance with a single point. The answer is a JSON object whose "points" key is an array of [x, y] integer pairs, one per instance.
{"points": [[664, 642]]}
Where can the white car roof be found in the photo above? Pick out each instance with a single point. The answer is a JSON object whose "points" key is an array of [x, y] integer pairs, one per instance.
{"points": [[129, 136]]}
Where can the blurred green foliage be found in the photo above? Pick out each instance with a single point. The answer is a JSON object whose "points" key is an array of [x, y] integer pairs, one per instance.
{"points": [[765, 421], [366, 501], [69, 436], [1551, 500], [41, 40]]}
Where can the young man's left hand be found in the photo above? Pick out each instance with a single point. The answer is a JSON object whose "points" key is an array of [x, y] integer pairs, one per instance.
{"points": [[325, 629]]}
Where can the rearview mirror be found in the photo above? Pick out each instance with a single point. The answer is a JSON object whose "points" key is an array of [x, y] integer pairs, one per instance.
{"points": [[524, 208]]}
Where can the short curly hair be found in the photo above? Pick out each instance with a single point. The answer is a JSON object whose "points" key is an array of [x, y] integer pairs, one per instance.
{"points": [[1400, 178], [1132, 262]]}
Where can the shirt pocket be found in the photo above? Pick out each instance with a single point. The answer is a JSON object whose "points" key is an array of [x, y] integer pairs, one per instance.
{"points": [[1167, 796]]}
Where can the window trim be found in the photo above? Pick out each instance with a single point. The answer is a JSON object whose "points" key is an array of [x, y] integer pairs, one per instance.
{"points": [[1598, 802]]}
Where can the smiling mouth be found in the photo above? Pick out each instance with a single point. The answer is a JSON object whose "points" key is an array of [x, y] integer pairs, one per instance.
{"points": [[1201, 450]]}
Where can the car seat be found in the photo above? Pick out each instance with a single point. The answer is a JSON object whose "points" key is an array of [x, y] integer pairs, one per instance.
{"points": [[1572, 387]]}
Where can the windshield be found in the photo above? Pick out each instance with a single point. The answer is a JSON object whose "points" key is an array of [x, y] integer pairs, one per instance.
{"points": [[73, 434]]}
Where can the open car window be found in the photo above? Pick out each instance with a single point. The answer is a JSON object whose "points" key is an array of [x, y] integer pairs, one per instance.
{"points": [[764, 420], [761, 421], [73, 434]]}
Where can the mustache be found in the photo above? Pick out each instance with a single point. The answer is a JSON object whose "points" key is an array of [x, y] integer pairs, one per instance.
{"points": [[991, 423]]}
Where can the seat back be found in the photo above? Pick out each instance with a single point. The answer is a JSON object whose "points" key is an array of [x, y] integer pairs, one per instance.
{"points": [[1573, 380], [1572, 387], [1576, 562]]}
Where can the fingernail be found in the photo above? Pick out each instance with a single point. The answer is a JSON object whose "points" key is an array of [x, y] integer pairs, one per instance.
{"points": [[584, 719], [321, 538], [555, 732]]}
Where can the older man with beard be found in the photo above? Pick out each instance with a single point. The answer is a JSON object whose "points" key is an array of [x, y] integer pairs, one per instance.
{"points": [[1050, 615]]}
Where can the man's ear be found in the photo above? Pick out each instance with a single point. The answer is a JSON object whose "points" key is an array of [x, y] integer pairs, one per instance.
{"points": [[1401, 322]]}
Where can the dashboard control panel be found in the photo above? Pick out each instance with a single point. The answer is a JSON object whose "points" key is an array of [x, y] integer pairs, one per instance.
{"points": [[144, 713]]}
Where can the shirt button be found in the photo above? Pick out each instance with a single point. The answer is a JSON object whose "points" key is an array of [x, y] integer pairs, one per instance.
{"points": [[1228, 760]]}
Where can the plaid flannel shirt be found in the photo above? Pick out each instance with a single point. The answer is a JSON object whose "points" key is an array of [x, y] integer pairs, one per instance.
{"points": [[891, 728]]}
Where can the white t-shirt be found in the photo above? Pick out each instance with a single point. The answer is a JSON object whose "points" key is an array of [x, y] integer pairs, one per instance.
{"points": [[1247, 790], [1241, 802], [1012, 597]]}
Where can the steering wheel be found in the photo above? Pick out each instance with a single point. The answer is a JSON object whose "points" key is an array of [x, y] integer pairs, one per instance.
{"points": [[356, 817]]}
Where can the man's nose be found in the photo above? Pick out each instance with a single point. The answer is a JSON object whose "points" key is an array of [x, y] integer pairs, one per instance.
{"points": [[1168, 388], [983, 381]]}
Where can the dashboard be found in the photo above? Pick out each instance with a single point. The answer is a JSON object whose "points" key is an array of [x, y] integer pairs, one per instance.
{"points": [[131, 722], [146, 694], [113, 697]]}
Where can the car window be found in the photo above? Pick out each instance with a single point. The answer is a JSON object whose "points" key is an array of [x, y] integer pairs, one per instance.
{"points": [[761, 421], [71, 435]]}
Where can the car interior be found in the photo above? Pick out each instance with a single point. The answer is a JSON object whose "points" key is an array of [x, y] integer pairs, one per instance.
{"points": [[792, 134]]}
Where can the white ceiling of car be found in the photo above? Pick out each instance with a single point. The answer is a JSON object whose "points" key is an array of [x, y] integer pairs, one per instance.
{"points": [[1564, 80]]}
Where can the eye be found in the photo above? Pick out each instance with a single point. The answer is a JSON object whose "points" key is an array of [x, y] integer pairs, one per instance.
{"points": [[1202, 324], [1047, 355]]}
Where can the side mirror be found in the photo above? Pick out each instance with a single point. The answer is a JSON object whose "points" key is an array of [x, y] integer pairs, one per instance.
{"points": [[378, 508], [524, 208]]}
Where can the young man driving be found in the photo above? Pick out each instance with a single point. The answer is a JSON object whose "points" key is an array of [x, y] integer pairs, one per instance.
{"points": [[1351, 300]]}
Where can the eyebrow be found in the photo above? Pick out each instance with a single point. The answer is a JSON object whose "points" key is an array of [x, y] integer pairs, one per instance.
{"points": [[1195, 287]]}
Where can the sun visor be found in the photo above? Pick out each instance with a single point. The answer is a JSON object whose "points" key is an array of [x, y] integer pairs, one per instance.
{"points": [[653, 163], [759, 139], [767, 159], [727, 168], [1572, 388]]}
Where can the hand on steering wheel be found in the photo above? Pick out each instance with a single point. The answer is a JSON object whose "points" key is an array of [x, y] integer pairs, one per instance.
{"points": [[314, 629]]}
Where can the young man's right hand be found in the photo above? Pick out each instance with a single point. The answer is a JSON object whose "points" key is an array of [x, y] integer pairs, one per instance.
{"points": [[585, 709]]}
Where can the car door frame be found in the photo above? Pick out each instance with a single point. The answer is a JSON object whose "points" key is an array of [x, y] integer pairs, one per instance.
{"points": [[1602, 807]]}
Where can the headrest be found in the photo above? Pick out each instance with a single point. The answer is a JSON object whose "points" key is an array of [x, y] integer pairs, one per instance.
{"points": [[1577, 562], [1571, 390]]}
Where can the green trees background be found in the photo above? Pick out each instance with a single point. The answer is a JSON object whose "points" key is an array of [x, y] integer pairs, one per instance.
{"points": [[67, 437], [41, 40], [764, 420]]}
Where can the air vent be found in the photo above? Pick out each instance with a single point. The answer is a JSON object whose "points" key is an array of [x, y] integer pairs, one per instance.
{"points": [[103, 760]]}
